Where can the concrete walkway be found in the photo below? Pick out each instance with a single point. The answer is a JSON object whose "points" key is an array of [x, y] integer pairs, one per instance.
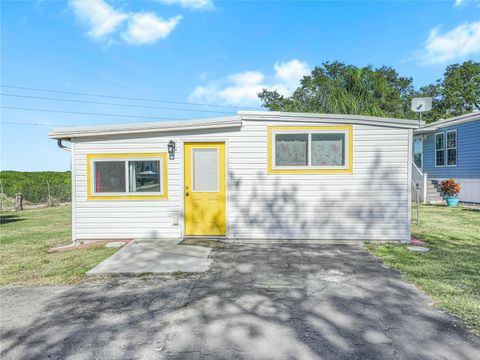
{"points": [[155, 256]]}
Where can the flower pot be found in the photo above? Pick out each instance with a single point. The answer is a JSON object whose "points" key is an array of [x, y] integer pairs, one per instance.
{"points": [[451, 200]]}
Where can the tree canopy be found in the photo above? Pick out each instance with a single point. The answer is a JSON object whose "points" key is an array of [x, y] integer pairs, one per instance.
{"points": [[337, 88]]}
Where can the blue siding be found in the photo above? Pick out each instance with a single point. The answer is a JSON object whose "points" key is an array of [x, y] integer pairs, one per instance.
{"points": [[468, 153]]}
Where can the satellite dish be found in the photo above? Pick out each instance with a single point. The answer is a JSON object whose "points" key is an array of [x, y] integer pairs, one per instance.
{"points": [[421, 104]]}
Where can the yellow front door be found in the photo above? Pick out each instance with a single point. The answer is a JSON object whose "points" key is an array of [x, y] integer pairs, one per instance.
{"points": [[205, 202]]}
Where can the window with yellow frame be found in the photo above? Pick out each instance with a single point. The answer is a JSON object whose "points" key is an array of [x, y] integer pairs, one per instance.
{"points": [[310, 149], [134, 176]]}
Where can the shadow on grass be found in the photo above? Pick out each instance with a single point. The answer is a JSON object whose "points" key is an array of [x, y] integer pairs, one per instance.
{"points": [[6, 219]]}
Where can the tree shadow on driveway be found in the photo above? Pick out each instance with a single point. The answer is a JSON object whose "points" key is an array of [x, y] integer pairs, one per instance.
{"points": [[270, 301]]}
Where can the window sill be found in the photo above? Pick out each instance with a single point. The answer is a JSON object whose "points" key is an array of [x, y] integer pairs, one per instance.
{"points": [[128, 197], [310, 171]]}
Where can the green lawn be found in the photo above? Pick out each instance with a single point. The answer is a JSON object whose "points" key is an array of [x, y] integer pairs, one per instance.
{"points": [[25, 238], [450, 272]]}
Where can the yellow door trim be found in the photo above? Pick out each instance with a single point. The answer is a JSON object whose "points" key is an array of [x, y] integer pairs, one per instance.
{"points": [[205, 212]]}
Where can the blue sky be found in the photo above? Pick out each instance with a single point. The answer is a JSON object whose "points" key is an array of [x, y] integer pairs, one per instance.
{"points": [[200, 51]]}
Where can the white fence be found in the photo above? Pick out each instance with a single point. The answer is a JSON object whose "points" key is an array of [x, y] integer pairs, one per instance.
{"points": [[469, 189]]}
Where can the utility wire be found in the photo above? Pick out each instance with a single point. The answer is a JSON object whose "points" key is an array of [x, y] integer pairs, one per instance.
{"points": [[29, 124], [124, 97], [89, 113], [109, 103]]}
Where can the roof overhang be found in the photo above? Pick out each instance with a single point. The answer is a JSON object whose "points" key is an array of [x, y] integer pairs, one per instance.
{"points": [[69, 133], [167, 126], [422, 131], [444, 123], [328, 118]]}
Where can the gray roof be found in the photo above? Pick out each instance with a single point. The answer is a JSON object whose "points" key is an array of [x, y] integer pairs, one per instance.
{"points": [[225, 122], [443, 123]]}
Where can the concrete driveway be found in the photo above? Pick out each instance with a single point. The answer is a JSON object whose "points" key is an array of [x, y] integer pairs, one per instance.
{"points": [[155, 256], [272, 301]]}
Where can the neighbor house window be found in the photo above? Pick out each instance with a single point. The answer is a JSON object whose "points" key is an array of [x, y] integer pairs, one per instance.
{"points": [[452, 148], [440, 149], [127, 176], [310, 149], [418, 151]]}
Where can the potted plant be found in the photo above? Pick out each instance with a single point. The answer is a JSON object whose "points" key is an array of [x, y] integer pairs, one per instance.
{"points": [[450, 190]]}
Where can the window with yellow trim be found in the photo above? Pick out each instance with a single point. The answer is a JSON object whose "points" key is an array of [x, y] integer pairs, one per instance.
{"points": [[310, 149], [127, 176]]}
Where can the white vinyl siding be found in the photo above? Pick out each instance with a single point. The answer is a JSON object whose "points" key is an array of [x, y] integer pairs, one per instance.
{"points": [[370, 204]]}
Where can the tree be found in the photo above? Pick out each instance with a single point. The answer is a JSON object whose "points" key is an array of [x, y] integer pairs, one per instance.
{"points": [[460, 89], [456, 94], [346, 89]]}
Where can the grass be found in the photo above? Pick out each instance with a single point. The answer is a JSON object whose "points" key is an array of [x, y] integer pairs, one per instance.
{"points": [[25, 238], [450, 272]]}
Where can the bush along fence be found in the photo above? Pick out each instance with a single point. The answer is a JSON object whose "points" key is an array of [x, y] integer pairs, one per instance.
{"points": [[36, 187]]}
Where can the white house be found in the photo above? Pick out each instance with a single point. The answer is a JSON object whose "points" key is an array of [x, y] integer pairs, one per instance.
{"points": [[256, 175]]}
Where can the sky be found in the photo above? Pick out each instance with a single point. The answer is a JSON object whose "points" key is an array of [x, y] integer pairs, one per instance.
{"points": [[82, 61]]}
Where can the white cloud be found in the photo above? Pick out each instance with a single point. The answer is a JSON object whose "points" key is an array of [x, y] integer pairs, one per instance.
{"points": [[146, 28], [138, 28], [459, 3], [242, 88], [99, 16], [460, 42], [291, 72], [192, 4]]}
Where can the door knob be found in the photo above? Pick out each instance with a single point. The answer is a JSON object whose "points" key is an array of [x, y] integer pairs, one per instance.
{"points": [[186, 194]]}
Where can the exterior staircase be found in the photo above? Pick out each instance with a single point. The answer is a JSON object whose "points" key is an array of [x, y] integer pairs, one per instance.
{"points": [[427, 190], [434, 194]]}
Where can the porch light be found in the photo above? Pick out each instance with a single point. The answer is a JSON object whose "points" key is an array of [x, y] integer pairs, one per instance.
{"points": [[171, 149]]}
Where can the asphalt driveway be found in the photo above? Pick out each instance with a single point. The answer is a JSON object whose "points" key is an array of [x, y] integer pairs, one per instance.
{"points": [[275, 301]]}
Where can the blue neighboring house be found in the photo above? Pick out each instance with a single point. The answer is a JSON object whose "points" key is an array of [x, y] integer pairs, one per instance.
{"points": [[449, 148]]}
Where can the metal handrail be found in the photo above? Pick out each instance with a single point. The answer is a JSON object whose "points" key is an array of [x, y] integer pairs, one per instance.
{"points": [[420, 178]]}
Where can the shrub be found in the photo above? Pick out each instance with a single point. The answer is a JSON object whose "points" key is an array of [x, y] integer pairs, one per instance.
{"points": [[450, 187], [34, 185]]}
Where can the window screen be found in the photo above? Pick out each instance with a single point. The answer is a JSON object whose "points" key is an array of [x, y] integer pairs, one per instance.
{"points": [[328, 149], [440, 149], [291, 149], [418, 151], [110, 176], [144, 176], [205, 169], [452, 148]]}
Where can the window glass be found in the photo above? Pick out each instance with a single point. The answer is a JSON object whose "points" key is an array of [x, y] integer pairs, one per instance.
{"points": [[439, 149], [418, 151], [144, 176], [452, 148], [451, 139], [328, 149], [205, 169], [440, 158], [291, 149], [452, 157], [110, 176]]}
